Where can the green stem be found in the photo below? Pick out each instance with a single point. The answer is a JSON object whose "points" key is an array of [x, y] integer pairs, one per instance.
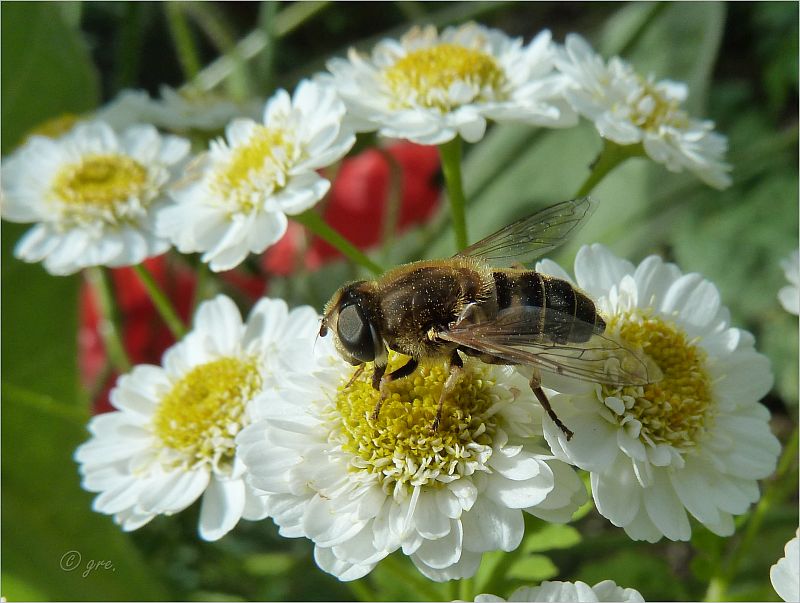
{"points": [[719, 583], [108, 325], [453, 589], [294, 15], [423, 587], [626, 45], [465, 588], [394, 199], [286, 21], [213, 23], [611, 155], [314, 222], [127, 57], [265, 66], [497, 577], [161, 302], [184, 41], [362, 591], [450, 153], [201, 279]]}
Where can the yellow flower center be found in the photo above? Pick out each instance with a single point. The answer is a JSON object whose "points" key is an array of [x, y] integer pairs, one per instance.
{"points": [[101, 182], [675, 410], [651, 109], [256, 169], [401, 446], [55, 126], [202, 413], [424, 77]]}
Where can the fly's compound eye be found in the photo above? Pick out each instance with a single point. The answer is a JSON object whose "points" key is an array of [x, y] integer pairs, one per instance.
{"points": [[356, 334]]}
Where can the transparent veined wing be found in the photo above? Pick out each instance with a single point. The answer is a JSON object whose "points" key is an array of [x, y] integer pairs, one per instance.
{"points": [[544, 338], [531, 237]]}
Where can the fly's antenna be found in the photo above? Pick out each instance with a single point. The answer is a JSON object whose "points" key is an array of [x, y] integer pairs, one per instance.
{"points": [[323, 330]]}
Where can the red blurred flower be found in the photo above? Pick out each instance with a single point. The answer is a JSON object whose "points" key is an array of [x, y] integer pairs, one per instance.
{"points": [[145, 337], [356, 206]]}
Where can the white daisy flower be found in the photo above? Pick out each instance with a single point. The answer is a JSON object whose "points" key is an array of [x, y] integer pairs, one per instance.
{"points": [[606, 590], [361, 489], [695, 441], [172, 439], [256, 176], [127, 108], [93, 193], [430, 88], [785, 574], [188, 109], [180, 110], [629, 109], [789, 296]]}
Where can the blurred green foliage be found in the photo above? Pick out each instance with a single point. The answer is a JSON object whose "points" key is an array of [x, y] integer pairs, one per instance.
{"points": [[741, 63]]}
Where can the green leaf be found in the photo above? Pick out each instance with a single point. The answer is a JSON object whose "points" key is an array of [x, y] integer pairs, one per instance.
{"points": [[623, 29], [39, 325], [205, 595], [396, 579], [269, 564], [778, 340], [51, 537], [551, 536], [46, 514], [636, 568], [46, 67], [20, 590], [739, 238], [532, 568]]}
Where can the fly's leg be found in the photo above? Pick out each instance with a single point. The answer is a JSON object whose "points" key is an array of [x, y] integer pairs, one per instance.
{"points": [[536, 386], [377, 378], [456, 366], [381, 381], [356, 375]]}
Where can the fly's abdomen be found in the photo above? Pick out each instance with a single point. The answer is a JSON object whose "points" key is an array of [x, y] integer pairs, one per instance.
{"points": [[563, 314]]}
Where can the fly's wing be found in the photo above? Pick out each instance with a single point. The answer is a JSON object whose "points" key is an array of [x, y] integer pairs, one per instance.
{"points": [[539, 337], [529, 238]]}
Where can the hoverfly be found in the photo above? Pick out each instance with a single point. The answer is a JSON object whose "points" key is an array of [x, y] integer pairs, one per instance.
{"points": [[441, 309]]}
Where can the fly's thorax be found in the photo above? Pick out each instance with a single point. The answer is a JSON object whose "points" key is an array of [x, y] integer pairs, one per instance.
{"points": [[561, 312], [420, 299]]}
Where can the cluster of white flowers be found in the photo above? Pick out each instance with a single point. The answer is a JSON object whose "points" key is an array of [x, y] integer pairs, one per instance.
{"points": [[362, 489], [698, 439], [183, 110], [115, 199], [628, 109], [94, 195], [298, 444], [172, 438], [579, 592], [102, 198], [260, 420]]}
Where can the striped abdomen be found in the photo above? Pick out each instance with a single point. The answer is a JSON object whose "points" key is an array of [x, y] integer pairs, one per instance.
{"points": [[560, 313]]}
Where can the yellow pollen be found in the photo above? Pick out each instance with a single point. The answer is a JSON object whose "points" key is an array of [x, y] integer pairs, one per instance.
{"points": [[677, 409], [267, 156], [102, 181], [401, 446], [424, 77], [651, 110], [202, 413]]}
